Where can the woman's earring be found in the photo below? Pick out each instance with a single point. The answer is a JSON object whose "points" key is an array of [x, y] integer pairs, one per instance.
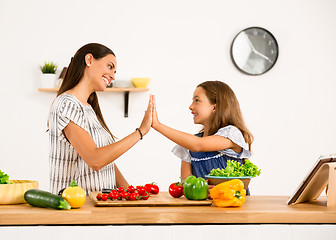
{"points": [[88, 64]]}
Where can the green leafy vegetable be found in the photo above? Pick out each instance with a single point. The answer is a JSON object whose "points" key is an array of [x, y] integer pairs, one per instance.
{"points": [[3, 178], [235, 169]]}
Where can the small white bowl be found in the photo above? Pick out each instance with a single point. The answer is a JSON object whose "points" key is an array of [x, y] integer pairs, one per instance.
{"points": [[121, 84], [13, 192]]}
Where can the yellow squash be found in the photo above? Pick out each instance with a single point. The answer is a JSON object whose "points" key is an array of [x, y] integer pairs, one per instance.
{"points": [[228, 194], [74, 195]]}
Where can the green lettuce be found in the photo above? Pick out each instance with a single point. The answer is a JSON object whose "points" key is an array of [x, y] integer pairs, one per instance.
{"points": [[3, 178], [235, 169]]}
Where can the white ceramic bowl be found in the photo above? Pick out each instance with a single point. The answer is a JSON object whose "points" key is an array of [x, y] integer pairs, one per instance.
{"points": [[13, 192], [121, 84]]}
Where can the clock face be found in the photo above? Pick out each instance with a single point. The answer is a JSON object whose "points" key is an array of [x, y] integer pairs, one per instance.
{"points": [[254, 51]]}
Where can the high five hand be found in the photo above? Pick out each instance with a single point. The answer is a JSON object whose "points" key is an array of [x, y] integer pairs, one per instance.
{"points": [[147, 120], [155, 120]]}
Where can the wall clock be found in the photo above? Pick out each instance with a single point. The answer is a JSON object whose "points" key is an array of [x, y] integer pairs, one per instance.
{"points": [[254, 51]]}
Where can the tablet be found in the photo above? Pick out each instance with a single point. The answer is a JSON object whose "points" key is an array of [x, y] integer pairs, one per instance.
{"points": [[314, 183]]}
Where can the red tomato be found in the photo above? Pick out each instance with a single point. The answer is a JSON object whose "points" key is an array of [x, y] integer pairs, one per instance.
{"points": [[115, 195], [154, 189], [176, 190], [148, 187], [104, 197], [141, 190], [121, 189], [124, 195], [99, 196], [130, 189], [133, 196], [109, 195], [144, 196]]}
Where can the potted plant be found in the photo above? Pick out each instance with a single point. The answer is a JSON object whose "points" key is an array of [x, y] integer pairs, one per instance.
{"points": [[48, 76]]}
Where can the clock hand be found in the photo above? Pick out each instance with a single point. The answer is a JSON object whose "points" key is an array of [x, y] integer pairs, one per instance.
{"points": [[249, 42], [261, 55]]}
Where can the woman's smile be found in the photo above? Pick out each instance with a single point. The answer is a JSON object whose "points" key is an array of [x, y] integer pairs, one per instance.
{"points": [[106, 80]]}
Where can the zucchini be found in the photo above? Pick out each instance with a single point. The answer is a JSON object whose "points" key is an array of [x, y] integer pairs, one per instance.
{"points": [[40, 198]]}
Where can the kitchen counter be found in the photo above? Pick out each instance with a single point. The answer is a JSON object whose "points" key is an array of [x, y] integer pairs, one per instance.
{"points": [[256, 210]]}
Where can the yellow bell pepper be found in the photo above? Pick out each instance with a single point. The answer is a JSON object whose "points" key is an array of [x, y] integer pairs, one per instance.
{"points": [[74, 195], [228, 194]]}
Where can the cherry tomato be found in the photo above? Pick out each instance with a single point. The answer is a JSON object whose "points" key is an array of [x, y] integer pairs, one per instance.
{"points": [[115, 195], [109, 195], [104, 197], [148, 187], [176, 190], [130, 189], [141, 190], [99, 196], [154, 189], [133, 196], [114, 191], [124, 195], [145, 195], [121, 189]]}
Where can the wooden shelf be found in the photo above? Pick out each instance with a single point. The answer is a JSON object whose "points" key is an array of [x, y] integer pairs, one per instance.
{"points": [[126, 92]]}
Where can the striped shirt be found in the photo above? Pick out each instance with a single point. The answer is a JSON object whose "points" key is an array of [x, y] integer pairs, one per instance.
{"points": [[65, 164]]}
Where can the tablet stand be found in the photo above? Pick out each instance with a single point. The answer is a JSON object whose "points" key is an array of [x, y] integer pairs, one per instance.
{"points": [[331, 184], [324, 177]]}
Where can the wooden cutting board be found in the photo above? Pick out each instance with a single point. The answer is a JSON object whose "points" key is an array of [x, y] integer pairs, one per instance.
{"points": [[162, 199]]}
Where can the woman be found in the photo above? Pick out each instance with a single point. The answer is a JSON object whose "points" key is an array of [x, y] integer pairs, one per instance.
{"points": [[82, 148]]}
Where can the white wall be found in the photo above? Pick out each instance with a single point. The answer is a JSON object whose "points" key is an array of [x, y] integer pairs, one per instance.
{"points": [[178, 44]]}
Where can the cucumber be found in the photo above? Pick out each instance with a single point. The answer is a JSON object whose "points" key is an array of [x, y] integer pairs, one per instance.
{"points": [[40, 198]]}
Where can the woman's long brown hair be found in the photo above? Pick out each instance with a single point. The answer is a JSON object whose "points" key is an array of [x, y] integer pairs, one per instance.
{"points": [[75, 72], [227, 110]]}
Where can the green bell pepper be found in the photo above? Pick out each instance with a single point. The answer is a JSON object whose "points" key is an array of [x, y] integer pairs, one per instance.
{"points": [[195, 188]]}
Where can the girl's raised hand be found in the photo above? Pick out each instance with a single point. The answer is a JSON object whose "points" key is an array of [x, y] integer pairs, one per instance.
{"points": [[147, 120], [155, 120]]}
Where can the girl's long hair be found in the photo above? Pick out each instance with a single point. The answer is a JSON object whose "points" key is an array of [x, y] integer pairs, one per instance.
{"points": [[227, 110], [75, 72]]}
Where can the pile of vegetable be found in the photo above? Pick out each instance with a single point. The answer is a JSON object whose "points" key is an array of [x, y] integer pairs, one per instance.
{"points": [[131, 193], [192, 188], [72, 197], [3, 178], [235, 169]]}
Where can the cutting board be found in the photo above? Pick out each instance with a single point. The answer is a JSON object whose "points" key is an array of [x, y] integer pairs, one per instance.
{"points": [[161, 199]]}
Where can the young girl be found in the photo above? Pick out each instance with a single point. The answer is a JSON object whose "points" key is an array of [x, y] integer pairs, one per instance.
{"points": [[82, 147], [224, 135]]}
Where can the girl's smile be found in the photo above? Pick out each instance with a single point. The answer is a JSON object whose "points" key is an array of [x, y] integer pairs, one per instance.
{"points": [[201, 109]]}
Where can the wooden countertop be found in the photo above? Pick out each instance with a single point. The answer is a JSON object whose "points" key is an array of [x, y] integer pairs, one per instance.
{"points": [[257, 209]]}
